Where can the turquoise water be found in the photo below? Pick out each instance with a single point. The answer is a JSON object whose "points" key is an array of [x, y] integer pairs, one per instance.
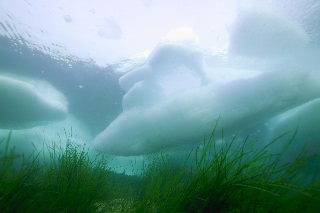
{"points": [[261, 78]]}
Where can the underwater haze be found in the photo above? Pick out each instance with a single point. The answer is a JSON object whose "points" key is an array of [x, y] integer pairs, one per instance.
{"points": [[134, 78]]}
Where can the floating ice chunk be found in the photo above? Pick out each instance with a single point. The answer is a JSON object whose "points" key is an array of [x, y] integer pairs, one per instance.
{"points": [[307, 119], [186, 116], [136, 75], [146, 84], [142, 95], [26, 103], [168, 56], [164, 60], [263, 33]]}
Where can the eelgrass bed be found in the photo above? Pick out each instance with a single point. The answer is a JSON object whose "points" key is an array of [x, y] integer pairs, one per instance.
{"points": [[232, 177], [70, 181]]}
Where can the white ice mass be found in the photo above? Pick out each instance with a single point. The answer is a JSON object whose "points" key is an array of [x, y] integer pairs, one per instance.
{"points": [[27, 102], [265, 33], [154, 119], [186, 116], [307, 119]]}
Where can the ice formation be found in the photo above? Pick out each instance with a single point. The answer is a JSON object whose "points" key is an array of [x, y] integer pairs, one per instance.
{"points": [[305, 119], [187, 116], [153, 119], [265, 33], [27, 103]]}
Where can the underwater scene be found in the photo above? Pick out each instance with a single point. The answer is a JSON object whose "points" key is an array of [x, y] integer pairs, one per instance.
{"points": [[152, 106]]}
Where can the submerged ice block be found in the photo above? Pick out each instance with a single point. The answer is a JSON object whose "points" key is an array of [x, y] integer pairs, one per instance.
{"points": [[264, 33], [27, 103], [186, 116]]}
